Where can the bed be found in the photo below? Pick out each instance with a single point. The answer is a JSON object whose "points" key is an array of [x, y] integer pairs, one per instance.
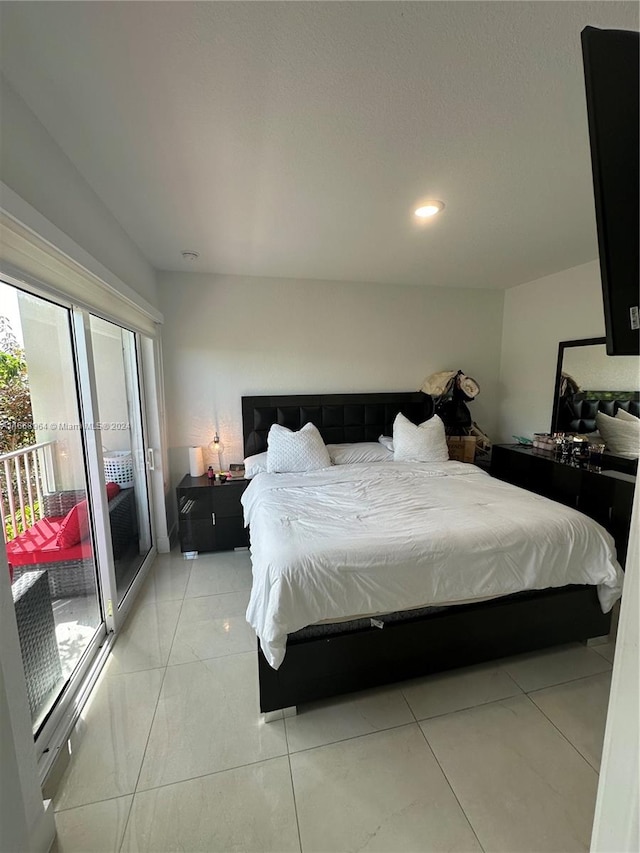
{"points": [[371, 573]]}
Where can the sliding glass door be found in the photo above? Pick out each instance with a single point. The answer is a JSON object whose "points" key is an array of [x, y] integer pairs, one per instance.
{"points": [[74, 505], [46, 517], [124, 459]]}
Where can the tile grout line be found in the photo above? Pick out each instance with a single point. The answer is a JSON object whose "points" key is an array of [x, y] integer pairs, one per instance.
{"points": [[466, 707], [354, 737], [560, 732], [155, 711], [570, 681], [451, 788], [213, 594], [93, 803], [201, 776], [562, 683], [215, 657], [293, 787], [435, 758]]}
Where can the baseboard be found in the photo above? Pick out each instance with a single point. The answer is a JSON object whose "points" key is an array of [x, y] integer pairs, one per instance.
{"points": [[173, 535], [44, 832], [163, 544]]}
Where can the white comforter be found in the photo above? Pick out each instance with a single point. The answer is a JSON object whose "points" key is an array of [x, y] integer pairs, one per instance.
{"points": [[367, 539]]}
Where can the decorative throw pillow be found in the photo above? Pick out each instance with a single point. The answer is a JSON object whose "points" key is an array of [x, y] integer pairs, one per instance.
{"points": [[290, 452], [113, 489], [623, 415], [621, 436], [359, 451], [75, 526], [256, 464], [424, 443]]}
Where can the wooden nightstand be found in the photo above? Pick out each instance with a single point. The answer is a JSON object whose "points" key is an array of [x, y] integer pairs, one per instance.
{"points": [[210, 515]]}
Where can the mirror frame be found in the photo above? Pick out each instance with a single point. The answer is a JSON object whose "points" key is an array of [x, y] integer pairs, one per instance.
{"points": [[562, 346], [611, 462]]}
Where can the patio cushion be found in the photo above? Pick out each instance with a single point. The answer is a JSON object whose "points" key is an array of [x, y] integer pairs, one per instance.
{"points": [[38, 544], [75, 525]]}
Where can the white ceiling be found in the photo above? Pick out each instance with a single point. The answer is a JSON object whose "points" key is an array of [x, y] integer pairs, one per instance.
{"points": [[294, 139]]}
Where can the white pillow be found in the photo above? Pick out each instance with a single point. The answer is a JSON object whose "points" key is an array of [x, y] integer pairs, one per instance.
{"points": [[360, 451], [290, 452], [256, 464], [620, 436], [386, 441], [622, 415], [424, 443]]}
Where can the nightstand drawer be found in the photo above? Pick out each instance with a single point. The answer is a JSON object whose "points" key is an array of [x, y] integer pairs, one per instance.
{"points": [[226, 498], [210, 515]]}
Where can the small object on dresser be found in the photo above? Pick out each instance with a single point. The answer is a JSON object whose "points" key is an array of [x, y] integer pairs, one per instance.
{"points": [[580, 449], [522, 439], [558, 438], [595, 456], [211, 474], [543, 441], [223, 477], [236, 470]]}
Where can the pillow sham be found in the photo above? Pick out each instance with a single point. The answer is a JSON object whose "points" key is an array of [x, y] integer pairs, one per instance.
{"points": [[623, 415], [424, 443], [292, 452], [256, 464], [360, 451], [386, 441], [620, 436]]}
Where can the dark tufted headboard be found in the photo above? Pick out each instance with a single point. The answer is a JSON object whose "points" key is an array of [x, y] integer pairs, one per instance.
{"points": [[579, 415], [341, 418]]}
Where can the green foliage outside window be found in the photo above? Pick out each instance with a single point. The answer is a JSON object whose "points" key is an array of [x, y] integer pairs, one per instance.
{"points": [[16, 416]]}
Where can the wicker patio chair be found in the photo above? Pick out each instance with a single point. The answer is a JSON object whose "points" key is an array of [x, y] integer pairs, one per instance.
{"points": [[77, 577], [37, 633]]}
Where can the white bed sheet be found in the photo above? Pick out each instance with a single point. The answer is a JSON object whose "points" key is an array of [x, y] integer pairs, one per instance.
{"points": [[356, 539]]}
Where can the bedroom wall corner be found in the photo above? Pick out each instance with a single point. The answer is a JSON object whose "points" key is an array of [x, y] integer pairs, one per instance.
{"points": [[229, 336], [537, 316]]}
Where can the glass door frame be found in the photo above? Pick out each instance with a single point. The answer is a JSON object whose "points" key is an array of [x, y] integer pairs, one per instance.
{"points": [[114, 615], [54, 732], [96, 483]]}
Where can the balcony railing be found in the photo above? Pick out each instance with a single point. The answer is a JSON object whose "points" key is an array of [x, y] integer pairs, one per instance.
{"points": [[25, 476]]}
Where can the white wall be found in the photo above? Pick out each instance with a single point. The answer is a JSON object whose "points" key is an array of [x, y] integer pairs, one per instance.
{"points": [[537, 316], [225, 337], [34, 166]]}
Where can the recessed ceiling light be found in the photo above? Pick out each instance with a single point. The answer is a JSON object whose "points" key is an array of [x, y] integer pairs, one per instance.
{"points": [[190, 256], [429, 208]]}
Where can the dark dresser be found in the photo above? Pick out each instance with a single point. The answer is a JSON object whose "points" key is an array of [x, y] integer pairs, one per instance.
{"points": [[606, 496]]}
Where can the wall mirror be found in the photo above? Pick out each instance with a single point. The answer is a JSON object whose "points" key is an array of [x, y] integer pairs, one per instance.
{"points": [[588, 381]]}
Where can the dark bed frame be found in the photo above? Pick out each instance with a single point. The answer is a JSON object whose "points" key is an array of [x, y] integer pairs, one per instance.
{"points": [[317, 667]]}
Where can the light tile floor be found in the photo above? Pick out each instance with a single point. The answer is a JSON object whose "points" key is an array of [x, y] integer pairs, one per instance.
{"points": [[171, 753]]}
